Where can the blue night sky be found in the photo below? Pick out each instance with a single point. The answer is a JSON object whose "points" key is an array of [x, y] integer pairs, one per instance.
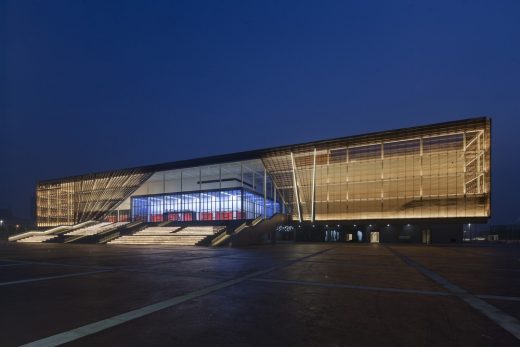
{"points": [[96, 85]]}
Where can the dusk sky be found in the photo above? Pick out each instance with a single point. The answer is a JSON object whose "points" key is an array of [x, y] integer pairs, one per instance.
{"points": [[88, 86]]}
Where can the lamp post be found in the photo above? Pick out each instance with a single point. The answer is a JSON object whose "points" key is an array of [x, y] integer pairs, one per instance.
{"points": [[469, 225], [1, 223]]}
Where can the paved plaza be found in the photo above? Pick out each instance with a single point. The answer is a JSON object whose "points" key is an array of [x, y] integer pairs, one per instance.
{"points": [[324, 294]]}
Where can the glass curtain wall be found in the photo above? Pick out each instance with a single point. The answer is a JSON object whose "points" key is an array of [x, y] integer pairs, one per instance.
{"points": [[424, 172], [229, 204], [229, 191]]}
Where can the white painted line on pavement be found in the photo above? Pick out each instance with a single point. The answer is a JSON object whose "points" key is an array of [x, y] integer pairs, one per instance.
{"points": [[37, 279], [353, 286], [5, 265], [499, 297], [509, 323], [104, 324], [381, 289]]}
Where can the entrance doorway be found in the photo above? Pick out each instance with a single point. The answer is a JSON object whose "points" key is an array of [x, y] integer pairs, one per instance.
{"points": [[374, 237], [426, 236], [332, 235]]}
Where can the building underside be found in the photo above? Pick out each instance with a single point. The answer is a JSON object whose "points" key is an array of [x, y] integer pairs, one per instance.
{"points": [[436, 173]]}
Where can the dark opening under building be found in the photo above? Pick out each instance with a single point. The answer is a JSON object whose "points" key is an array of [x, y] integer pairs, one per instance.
{"points": [[419, 184]]}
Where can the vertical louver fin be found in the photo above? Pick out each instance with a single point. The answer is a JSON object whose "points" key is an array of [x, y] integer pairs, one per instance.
{"points": [[87, 197]]}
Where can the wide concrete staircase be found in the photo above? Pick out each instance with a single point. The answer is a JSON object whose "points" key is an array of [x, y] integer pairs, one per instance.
{"points": [[187, 236], [47, 235], [95, 229], [85, 235]]}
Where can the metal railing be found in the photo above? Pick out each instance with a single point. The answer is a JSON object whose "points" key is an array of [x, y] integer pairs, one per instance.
{"points": [[257, 220], [221, 237]]}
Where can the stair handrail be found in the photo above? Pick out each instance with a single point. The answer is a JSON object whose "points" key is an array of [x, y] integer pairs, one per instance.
{"points": [[104, 229], [54, 230], [257, 220], [40, 233], [239, 238], [110, 229], [221, 234], [240, 228]]}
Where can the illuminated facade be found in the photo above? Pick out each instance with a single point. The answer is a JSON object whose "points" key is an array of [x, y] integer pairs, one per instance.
{"points": [[435, 172]]}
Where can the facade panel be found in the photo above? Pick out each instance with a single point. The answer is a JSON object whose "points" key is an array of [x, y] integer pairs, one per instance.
{"points": [[426, 172], [89, 197]]}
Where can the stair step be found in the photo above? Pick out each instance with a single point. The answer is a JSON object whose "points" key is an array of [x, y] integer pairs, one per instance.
{"points": [[187, 236], [37, 238]]}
